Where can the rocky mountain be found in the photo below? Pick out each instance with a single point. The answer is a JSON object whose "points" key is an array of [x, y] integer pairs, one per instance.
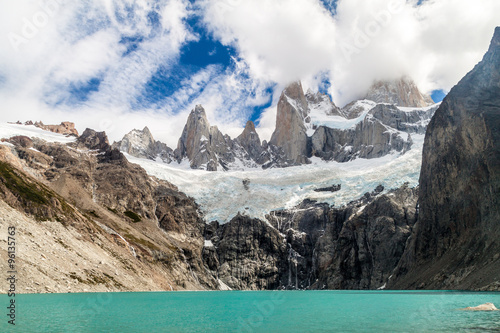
{"points": [[207, 148], [307, 125], [322, 103], [155, 234], [290, 133], [142, 144], [403, 92], [95, 222], [455, 242], [314, 245]]}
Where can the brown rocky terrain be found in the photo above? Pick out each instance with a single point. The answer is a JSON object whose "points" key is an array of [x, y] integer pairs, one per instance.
{"points": [[88, 220], [65, 128]]}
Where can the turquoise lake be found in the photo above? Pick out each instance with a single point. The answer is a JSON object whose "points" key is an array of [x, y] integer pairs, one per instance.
{"points": [[266, 311]]}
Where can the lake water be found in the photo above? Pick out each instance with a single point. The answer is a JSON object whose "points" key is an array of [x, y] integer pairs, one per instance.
{"points": [[266, 311]]}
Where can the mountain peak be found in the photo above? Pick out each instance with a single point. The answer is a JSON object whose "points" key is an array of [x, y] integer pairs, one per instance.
{"points": [[249, 127], [400, 92], [199, 110], [294, 90], [496, 38]]}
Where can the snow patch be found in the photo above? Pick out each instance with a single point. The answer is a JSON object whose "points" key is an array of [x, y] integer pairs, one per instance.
{"points": [[10, 130]]}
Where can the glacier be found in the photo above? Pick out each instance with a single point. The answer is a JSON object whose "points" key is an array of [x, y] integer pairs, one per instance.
{"points": [[221, 195]]}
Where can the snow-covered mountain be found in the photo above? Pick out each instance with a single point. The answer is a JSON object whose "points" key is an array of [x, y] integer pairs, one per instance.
{"points": [[142, 144], [307, 125]]}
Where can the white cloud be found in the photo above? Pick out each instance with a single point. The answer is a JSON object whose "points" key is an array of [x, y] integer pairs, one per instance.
{"points": [[278, 41], [81, 41], [436, 43]]}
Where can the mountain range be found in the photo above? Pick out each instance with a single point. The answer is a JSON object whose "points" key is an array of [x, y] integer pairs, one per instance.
{"points": [[95, 216], [307, 125]]}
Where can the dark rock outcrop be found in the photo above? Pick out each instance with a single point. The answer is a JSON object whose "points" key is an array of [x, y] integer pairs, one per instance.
{"points": [[250, 254], [371, 243], [93, 140], [455, 242], [352, 247]]}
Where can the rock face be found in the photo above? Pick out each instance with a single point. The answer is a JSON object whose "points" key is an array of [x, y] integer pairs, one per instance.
{"points": [[369, 139], [93, 140], [290, 133], [455, 242], [250, 254], [402, 92], [371, 243], [314, 246], [65, 128], [142, 144], [415, 121], [352, 247]]}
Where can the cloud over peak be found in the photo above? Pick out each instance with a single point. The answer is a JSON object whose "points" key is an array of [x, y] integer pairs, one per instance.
{"points": [[119, 64]]}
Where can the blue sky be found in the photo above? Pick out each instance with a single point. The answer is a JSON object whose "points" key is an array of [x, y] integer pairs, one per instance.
{"points": [[116, 65]]}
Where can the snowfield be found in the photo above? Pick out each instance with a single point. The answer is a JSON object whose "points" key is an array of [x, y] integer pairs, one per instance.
{"points": [[221, 195], [10, 130]]}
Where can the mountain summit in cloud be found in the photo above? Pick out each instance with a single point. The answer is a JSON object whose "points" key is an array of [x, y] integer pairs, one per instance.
{"points": [[403, 92]]}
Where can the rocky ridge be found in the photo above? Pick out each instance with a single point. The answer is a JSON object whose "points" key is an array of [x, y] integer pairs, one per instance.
{"points": [[299, 135]]}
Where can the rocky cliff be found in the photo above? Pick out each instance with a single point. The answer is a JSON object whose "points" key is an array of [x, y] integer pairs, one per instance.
{"points": [[455, 242], [369, 139], [352, 247], [290, 133], [314, 245]]}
